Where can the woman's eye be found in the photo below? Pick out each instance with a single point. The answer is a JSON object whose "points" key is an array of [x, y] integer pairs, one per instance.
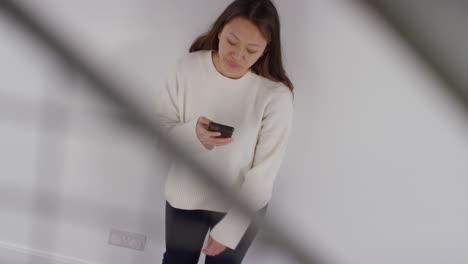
{"points": [[233, 44]]}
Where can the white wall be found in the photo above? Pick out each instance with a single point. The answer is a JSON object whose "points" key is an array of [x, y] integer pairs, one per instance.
{"points": [[374, 171]]}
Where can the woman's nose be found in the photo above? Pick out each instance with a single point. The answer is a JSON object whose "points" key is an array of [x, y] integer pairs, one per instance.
{"points": [[237, 55]]}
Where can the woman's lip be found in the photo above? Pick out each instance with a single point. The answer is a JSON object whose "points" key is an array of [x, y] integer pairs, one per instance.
{"points": [[232, 64]]}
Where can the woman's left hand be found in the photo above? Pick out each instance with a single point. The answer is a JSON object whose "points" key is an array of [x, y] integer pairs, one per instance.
{"points": [[213, 247]]}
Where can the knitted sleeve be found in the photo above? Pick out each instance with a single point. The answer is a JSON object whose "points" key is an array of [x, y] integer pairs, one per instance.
{"points": [[169, 111], [258, 181]]}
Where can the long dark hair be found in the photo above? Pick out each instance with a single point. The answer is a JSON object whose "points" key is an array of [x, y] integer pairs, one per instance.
{"points": [[263, 14]]}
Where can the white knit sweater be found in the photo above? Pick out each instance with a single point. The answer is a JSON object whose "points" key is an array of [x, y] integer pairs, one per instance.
{"points": [[260, 110]]}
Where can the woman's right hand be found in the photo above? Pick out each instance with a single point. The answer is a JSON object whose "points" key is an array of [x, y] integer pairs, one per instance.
{"points": [[208, 138]]}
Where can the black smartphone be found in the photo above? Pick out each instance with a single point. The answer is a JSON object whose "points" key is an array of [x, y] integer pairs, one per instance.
{"points": [[226, 131]]}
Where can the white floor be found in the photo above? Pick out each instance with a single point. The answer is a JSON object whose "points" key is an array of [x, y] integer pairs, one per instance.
{"points": [[258, 253]]}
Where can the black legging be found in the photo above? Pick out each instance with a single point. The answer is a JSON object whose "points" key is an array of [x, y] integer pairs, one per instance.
{"points": [[186, 231]]}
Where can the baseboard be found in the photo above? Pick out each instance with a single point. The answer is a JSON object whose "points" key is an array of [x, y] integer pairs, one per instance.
{"points": [[19, 254]]}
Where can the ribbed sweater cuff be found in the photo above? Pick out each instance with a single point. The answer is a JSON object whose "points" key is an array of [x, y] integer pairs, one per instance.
{"points": [[230, 230]]}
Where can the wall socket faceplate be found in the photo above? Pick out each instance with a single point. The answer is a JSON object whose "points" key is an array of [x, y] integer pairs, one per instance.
{"points": [[127, 239]]}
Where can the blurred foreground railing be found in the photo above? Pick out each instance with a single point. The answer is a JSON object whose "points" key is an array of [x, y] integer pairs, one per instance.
{"points": [[437, 32]]}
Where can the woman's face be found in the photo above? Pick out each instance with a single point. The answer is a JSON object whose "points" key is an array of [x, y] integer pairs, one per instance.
{"points": [[241, 44]]}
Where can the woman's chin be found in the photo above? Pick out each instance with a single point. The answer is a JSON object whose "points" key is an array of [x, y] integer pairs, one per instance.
{"points": [[235, 75], [235, 70]]}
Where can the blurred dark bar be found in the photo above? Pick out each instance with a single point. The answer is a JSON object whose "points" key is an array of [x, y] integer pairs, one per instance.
{"points": [[438, 32]]}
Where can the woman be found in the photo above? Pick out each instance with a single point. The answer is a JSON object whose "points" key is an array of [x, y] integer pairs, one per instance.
{"points": [[233, 75]]}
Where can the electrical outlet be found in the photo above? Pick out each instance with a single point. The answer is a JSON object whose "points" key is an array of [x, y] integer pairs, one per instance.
{"points": [[127, 239]]}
